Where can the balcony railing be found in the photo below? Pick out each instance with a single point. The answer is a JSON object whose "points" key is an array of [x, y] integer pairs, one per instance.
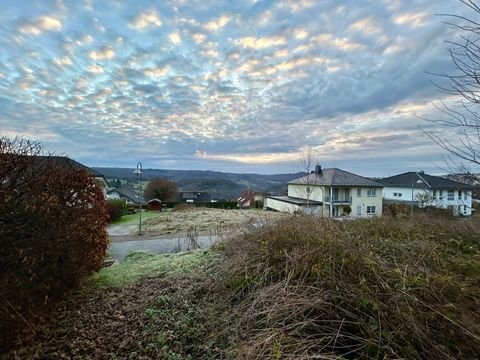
{"points": [[339, 200]]}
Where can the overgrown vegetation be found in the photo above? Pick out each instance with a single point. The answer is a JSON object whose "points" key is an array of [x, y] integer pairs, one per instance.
{"points": [[398, 210], [299, 288], [52, 226], [380, 288], [176, 310]]}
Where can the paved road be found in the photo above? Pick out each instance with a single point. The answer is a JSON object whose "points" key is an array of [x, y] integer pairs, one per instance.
{"points": [[118, 250]]}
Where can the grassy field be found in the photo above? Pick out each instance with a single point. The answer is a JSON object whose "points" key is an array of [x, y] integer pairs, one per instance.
{"points": [[132, 219], [202, 221]]}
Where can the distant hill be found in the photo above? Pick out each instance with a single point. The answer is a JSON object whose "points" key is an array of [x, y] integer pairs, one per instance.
{"points": [[218, 184]]}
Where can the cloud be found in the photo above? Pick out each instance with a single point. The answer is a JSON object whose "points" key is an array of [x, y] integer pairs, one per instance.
{"points": [[218, 23], [300, 33], [63, 61], [95, 69], [175, 37], [260, 43], [42, 24], [149, 18], [411, 19], [156, 72], [254, 158], [199, 38], [104, 53], [297, 5], [238, 85], [367, 25], [344, 44]]}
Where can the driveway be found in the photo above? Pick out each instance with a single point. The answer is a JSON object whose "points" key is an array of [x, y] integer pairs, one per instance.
{"points": [[121, 230], [119, 249]]}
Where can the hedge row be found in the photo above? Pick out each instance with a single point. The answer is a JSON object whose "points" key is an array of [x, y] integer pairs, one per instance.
{"points": [[52, 226]]}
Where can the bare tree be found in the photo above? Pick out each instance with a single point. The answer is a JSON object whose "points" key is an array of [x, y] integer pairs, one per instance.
{"points": [[308, 161], [460, 110], [160, 188]]}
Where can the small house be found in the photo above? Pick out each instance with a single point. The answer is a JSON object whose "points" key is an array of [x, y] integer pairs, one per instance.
{"points": [[129, 195], [154, 204], [250, 199]]}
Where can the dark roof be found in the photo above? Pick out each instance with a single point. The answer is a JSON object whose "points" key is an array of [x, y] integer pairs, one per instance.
{"points": [[129, 193], [422, 180], [334, 176], [60, 161], [199, 196], [295, 201]]}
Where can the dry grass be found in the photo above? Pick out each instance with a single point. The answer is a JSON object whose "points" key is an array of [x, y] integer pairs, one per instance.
{"points": [[382, 288], [205, 221]]}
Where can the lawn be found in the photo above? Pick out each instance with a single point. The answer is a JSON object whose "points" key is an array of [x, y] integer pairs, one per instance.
{"points": [[132, 219]]}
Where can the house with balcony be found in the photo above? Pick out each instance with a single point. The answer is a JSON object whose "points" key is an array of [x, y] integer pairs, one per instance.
{"points": [[330, 192], [420, 189]]}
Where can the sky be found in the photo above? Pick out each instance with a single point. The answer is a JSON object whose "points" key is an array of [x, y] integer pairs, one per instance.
{"points": [[237, 86]]}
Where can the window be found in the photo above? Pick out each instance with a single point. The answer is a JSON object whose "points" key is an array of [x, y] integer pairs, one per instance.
{"points": [[399, 194], [370, 210], [465, 196], [434, 194], [451, 195], [395, 194], [359, 210], [464, 209], [372, 192], [359, 192], [441, 194], [459, 195]]}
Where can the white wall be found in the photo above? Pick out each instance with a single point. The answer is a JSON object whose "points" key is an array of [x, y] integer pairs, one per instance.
{"points": [[464, 202], [280, 205], [300, 191], [292, 208], [364, 201]]}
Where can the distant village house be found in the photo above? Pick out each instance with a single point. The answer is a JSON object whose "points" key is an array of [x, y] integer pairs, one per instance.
{"points": [[251, 199]]}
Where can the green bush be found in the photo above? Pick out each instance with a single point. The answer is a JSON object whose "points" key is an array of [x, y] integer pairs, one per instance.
{"points": [[380, 288], [116, 209]]}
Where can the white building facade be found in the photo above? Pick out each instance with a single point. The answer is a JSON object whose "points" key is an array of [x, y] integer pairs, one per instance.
{"points": [[331, 193], [422, 190]]}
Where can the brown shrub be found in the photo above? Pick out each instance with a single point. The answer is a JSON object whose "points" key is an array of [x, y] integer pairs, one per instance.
{"points": [[52, 226], [379, 288]]}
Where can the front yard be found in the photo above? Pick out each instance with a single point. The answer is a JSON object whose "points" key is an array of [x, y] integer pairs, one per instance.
{"points": [[200, 221]]}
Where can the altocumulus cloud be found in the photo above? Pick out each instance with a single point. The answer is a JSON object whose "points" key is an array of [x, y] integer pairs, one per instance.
{"points": [[238, 86]]}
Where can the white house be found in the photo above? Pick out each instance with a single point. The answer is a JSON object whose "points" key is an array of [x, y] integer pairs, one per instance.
{"points": [[330, 192], [420, 189]]}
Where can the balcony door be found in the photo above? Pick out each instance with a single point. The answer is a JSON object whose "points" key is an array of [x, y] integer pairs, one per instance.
{"points": [[335, 195]]}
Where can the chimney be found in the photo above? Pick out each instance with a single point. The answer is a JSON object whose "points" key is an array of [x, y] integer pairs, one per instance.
{"points": [[318, 169]]}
